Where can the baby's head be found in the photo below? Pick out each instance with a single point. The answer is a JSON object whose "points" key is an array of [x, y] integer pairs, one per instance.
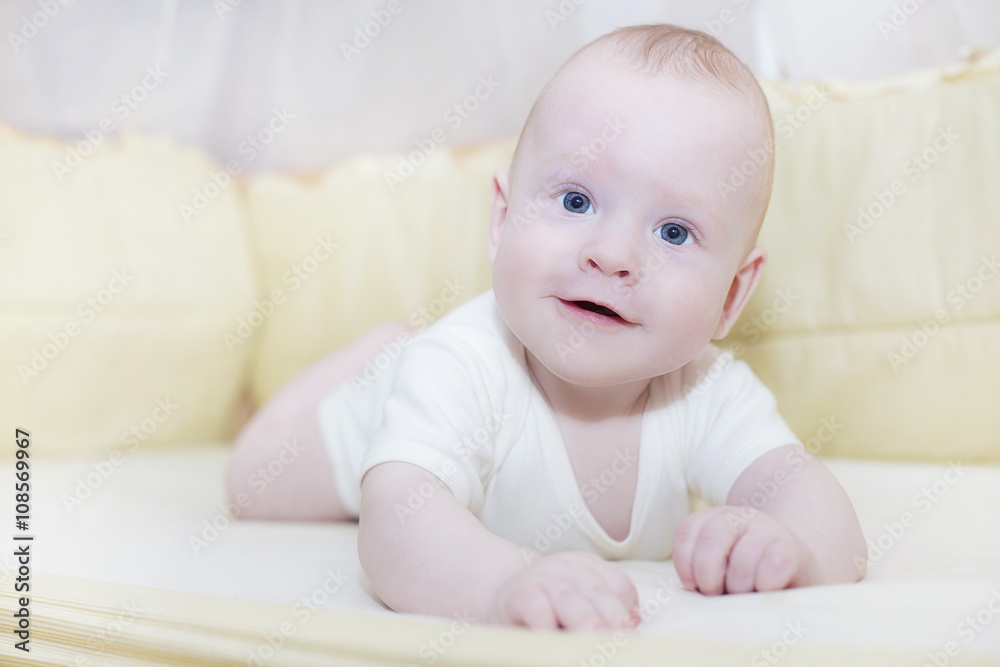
{"points": [[620, 248]]}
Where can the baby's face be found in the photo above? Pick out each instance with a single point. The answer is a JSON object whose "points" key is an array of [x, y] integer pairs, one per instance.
{"points": [[613, 251]]}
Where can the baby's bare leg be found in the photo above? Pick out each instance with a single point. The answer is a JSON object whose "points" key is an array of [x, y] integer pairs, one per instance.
{"points": [[305, 489]]}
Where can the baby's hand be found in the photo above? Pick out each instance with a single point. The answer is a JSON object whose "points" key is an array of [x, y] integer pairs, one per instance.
{"points": [[732, 549], [576, 590]]}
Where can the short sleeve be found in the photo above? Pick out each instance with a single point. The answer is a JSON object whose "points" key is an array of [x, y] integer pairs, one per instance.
{"points": [[440, 415], [736, 422]]}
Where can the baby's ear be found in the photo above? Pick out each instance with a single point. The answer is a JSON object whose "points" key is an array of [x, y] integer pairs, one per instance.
{"points": [[498, 212], [744, 283]]}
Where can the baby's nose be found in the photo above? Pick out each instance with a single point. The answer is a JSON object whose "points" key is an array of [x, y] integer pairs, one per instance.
{"points": [[621, 273], [613, 257]]}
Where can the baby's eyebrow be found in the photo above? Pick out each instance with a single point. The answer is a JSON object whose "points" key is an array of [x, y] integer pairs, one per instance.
{"points": [[559, 167], [707, 215]]}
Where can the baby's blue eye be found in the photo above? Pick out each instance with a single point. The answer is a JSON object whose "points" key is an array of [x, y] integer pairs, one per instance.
{"points": [[574, 202], [675, 234]]}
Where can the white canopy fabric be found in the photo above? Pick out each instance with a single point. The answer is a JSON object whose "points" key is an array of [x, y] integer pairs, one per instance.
{"points": [[380, 75]]}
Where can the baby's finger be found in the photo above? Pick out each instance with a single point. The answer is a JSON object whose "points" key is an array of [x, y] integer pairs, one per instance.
{"points": [[778, 565], [532, 608], [615, 614], [618, 582], [684, 542], [741, 568], [715, 541], [573, 610], [609, 589]]}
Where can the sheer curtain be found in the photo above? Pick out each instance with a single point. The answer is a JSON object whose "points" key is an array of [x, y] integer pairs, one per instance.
{"points": [[296, 85]]}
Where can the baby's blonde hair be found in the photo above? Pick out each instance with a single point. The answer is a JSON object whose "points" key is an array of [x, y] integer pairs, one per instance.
{"points": [[694, 56]]}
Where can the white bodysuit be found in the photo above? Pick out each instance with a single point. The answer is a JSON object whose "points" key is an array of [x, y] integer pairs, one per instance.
{"points": [[459, 402]]}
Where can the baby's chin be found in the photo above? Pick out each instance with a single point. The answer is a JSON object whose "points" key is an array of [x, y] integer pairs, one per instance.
{"points": [[589, 370]]}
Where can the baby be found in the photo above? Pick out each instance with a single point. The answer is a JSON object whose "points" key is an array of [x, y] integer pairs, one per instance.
{"points": [[559, 420]]}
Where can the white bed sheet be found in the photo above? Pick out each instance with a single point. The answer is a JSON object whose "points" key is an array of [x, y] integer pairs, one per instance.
{"points": [[138, 526]]}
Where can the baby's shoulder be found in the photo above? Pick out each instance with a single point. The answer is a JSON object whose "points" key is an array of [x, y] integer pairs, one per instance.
{"points": [[473, 336]]}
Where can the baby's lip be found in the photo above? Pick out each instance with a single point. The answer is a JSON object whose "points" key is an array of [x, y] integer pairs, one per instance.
{"points": [[601, 309]]}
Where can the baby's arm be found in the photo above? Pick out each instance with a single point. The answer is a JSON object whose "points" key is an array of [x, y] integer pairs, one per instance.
{"points": [[788, 522], [437, 558]]}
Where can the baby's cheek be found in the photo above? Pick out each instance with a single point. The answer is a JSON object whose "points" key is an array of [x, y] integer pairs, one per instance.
{"points": [[519, 245], [694, 318], [707, 310]]}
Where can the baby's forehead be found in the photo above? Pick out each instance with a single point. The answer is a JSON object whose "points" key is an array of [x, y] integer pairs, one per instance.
{"points": [[582, 86], [591, 101]]}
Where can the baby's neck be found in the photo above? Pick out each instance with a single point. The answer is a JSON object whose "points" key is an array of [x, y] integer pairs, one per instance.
{"points": [[587, 403]]}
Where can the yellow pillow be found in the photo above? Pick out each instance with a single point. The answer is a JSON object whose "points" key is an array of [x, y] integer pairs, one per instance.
{"points": [[128, 287], [112, 308], [884, 210], [360, 245], [877, 321]]}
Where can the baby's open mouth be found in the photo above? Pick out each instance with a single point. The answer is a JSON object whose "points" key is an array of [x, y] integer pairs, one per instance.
{"points": [[594, 308], [601, 314]]}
